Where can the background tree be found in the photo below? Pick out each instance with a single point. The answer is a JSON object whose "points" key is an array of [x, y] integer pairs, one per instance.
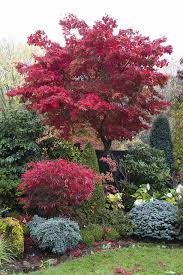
{"points": [[177, 115], [160, 137], [10, 54], [177, 121], [100, 78]]}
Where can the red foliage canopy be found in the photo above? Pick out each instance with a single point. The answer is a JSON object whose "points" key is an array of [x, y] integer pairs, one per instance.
{"points": [[103, 77], [50, 186]]}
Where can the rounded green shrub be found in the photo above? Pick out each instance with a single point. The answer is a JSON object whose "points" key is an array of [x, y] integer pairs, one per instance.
{"points": [[92, 233], [12, 232], [96, 233], [117, 219], [87, 237], [145, 165], [55, 234], [111, 234]]}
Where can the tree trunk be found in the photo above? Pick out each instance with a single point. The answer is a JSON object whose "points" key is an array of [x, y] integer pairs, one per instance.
{"points": [[107, 143]]}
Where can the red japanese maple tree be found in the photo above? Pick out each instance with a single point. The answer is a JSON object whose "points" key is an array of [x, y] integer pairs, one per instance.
{"points": [[53, 186], [103, 77]]}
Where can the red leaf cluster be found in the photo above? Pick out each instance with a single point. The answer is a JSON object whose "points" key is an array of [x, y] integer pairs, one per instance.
{"points": [[102, 77], [50, 186], [122, 271]]}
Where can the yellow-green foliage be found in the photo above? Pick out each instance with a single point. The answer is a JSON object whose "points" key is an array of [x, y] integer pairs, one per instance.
{"points": [[12, 232], [178, 135]]}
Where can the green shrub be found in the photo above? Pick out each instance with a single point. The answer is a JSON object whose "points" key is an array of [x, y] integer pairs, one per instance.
{"points": [[5, 253], [19, 131], [96, 230], [92, 233], [117, 220], [55, 148], [114, 201], [55, 234], [111, 234], [144, 194], [180, 214], [12, 232], [89, 157], [96, 233], [88, 213], [8, 188], [145, 165], [160, 138], [87, 237]]}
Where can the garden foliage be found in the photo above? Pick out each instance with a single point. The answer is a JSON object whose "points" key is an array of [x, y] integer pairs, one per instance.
{"points": [[118, 220], [180, 215], [156, 220], [160, 137], [56, 148], [104, 78], [96, 233], [8, 188], [92, 233], [52, 187], [12, 232], [177, 114], [19, 131], [145, 165], [89, 211], [55, 234], [6, 256]]}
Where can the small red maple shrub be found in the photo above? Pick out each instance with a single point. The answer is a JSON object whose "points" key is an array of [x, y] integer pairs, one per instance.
{"points": [[53, 186], [101, 78]]}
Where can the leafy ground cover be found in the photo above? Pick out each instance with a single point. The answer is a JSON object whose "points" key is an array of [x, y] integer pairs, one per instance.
{"points": [[136, 259]]}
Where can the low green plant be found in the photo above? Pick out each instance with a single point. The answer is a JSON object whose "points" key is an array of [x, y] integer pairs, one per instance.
{"points": [[96, 233], [92, 233], [5, 253], [12, 232], [145, 194], [87, 237], [111, 234], [114, 201], [117, 219]]}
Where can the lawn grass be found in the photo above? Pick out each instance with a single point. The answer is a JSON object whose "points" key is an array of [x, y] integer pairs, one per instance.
{"points": [[144, 259]]}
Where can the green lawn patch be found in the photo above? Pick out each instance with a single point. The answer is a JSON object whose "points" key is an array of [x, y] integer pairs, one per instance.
{"points": [[140, 259]]}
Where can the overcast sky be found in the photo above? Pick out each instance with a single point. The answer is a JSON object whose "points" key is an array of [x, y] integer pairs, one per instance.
{"points": [[155, 18]]}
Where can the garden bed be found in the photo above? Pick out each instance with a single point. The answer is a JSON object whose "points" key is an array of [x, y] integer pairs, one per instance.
{"points": [[131, 258], [35, 259]]}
